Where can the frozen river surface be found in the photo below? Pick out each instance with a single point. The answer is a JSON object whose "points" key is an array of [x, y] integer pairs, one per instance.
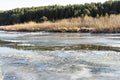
{"points": [[49, 56]]}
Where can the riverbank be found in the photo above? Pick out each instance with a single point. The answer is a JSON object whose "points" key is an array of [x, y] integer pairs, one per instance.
{"points": [[108, 24]]}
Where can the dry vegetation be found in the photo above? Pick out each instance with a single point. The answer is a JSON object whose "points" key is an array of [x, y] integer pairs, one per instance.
{"points": [[87, 24]]}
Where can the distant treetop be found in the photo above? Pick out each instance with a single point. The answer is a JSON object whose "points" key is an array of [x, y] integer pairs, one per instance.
{"points": [[55, 12]]}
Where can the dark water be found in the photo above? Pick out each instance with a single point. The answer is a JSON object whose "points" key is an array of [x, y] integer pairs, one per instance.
{"points": [[54, 56]]}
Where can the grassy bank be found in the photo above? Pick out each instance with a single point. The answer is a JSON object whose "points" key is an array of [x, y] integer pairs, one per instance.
{"points": [[106, 24]]}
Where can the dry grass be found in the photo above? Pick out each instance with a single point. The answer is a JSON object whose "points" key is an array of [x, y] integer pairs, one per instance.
{"points": [[86, 24]]}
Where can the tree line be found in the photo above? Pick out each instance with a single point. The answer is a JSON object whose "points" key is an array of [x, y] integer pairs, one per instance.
{"points": [[55, 12]]}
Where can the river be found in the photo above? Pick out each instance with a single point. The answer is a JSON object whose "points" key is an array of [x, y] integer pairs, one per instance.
{"points": [[59, 56]]}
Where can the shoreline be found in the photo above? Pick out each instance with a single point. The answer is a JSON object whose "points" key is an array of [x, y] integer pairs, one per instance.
{"points": [[63, 32], [87, 24]]}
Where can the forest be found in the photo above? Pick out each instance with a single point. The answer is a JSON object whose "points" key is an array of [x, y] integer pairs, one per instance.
{"points": [[56, 12]]}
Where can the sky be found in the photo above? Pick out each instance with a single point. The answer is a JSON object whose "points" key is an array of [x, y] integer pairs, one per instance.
{"points": [[11, 4]]}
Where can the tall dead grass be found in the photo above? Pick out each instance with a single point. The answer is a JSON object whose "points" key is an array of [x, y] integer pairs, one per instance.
{"points": [[87, 24]]}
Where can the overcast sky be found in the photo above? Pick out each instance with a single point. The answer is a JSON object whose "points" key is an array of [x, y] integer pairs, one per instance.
{"points": [[11, 4]]}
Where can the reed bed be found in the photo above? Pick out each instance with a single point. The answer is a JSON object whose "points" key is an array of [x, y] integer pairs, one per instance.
{"points": [[108, 24]]}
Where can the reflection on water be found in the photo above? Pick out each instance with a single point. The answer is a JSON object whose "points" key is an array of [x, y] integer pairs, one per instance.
{"points": [[74, 56]]}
